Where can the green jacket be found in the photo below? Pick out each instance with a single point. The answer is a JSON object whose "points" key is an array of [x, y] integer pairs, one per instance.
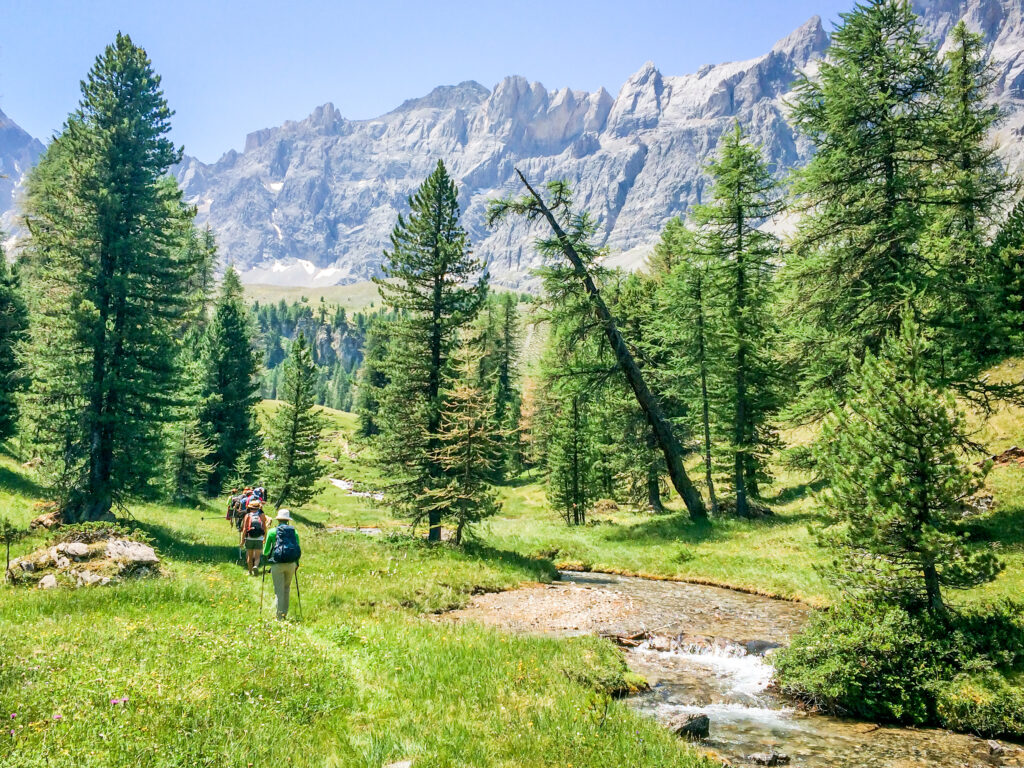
{"points": [[268, 545]]}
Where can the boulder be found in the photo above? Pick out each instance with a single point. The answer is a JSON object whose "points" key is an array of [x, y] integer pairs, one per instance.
{"points": [[760, 647], [768, 758], [691, 727], [131, 553], [76, 549], [27, 566], [62, 563], [88, 579], [49, 581], [995, 748], [48, 521]]}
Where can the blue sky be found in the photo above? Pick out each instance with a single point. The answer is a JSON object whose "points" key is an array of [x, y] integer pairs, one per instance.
{"points": [[232, 66]]}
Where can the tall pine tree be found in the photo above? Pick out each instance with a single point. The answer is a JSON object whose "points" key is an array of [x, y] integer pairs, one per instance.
{"points": [[230, 381], [295, 433], [108, 284], [742, 259], [435, 282], [13, 325]]}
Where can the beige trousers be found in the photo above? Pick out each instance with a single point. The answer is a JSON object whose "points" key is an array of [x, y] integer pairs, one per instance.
{"points": [[282, 574]]}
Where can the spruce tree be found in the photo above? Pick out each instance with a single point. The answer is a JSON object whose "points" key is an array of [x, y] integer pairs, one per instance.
{"points": [[188, 448], [742, 259], [294, 436], [571, 454], [469, 450], [373, 377], [108, 288], [230, 380], [432, 278], [13, 325], [898, 480]]}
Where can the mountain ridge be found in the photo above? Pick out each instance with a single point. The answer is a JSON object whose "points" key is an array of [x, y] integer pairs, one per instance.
{"points": [[312, 201]]}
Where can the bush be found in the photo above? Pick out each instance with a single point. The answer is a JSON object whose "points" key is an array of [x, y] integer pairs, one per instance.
{"points": [[983, 703], [863, 660], [882, 663]]}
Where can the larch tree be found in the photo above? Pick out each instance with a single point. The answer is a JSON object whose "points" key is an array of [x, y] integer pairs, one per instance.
{"points": [[569, 245], [107, 278], [294, 436], [438, 286], [686, 329], [741, 259]]}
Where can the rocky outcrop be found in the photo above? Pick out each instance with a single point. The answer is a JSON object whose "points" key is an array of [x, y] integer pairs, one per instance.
{"points": [[313, 202], [18, 153]]}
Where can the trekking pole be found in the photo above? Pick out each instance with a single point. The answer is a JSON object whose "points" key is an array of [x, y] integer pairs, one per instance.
{"points": [[298, 592], [263, 582]]}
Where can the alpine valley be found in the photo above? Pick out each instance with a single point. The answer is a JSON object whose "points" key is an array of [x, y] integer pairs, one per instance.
{"points": [[312, 202]]}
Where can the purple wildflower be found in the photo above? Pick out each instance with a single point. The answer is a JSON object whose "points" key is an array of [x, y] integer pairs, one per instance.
{"points": [[58, 717]]}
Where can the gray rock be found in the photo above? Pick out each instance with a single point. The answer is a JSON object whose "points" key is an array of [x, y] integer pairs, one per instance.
{"points": [[49, 581], [76, 549], [760, 647], [768, 758], [88, 578], [27, 566], [995, 748], [131, 553], [62, 563], [691, 727]]}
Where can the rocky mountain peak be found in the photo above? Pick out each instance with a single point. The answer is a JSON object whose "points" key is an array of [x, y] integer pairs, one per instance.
{"points": [[466, 95]]}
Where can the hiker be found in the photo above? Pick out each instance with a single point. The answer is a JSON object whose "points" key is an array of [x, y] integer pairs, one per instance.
{"points": [[238, 512], [254, 532], [282, 549]]}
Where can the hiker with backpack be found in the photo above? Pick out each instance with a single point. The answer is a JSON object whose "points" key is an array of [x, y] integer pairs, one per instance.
{"points": [[254, 532], [282, 549]]}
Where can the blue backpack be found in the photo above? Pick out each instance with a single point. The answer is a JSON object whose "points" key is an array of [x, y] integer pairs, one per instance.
{"points": [[286, 545]]}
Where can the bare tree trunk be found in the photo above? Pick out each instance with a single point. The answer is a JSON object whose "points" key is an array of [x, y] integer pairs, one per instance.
{"points": [[645, 398]]}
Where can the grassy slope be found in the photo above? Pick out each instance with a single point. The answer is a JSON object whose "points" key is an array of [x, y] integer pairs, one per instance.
{"points": [[354, 297], [362, 681]]}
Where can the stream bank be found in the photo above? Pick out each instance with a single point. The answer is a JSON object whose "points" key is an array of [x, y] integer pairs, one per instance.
{"points": [[707, 650]]}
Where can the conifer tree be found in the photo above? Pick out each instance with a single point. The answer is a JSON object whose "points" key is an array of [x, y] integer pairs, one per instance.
{"points": [[373, 377], [973, 188], [108, 288], [742, 259], [295, 432], [13, 325], [188, 448], [870, 114], [230, 380], [433, 279], [571, 455], [575, 261], [686, 329], [469, 450], [898, 480], [249, 467]]}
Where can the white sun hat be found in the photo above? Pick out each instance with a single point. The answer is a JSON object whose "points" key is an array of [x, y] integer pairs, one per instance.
{"points": [[284, 514]]}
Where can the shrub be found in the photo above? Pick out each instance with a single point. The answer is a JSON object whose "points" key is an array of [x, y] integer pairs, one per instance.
{"points": [[983, 703], [864, 660], [879, 662]]}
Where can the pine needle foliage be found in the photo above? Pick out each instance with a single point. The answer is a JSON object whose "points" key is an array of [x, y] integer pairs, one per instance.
{"points": [[294, 473], [230, 376], [898, 481], [469, 452], [107, 281], [13, 327], [438, 286]]}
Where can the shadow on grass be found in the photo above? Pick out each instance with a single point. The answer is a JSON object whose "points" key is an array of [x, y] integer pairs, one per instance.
{"points": [[794, 492], [1005, 526], [20, 484], [172, 545], [539, 568], [678, 527], [306, 521]]}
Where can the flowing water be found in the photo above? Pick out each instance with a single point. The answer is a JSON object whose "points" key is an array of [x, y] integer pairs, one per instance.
{"points": [[708, 650]]}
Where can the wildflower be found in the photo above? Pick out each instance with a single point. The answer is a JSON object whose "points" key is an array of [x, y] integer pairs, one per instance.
{"points": [[13, 715], [58, 717]]}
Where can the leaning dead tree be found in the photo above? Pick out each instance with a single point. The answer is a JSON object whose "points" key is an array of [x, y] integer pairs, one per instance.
{"points": [[571, 231]]}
